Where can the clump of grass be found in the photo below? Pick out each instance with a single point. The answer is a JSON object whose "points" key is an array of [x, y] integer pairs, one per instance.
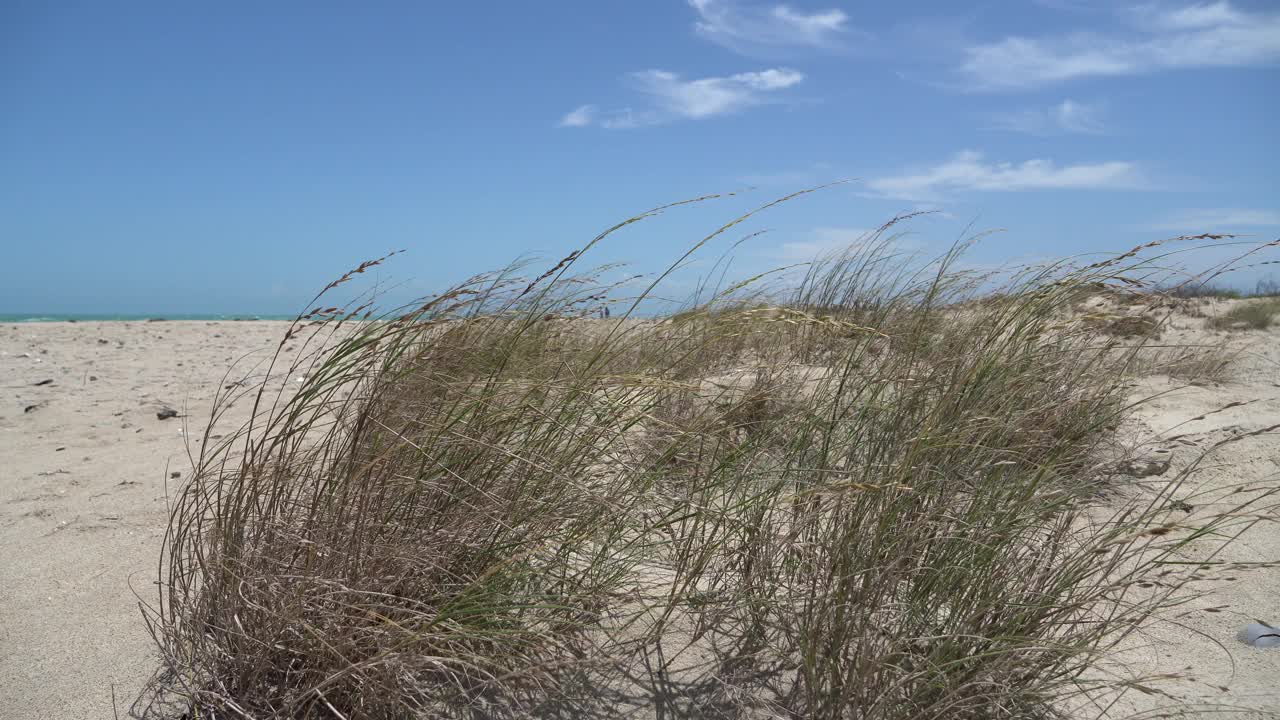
{"points": [[1248, 315], [1127, 326], [1198, 365], [870, 496]]}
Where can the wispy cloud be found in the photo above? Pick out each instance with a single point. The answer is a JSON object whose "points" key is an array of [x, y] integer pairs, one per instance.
{"points": [[967, 171], [1067, 116], [751, 28], [1190, 17], [581, 116], [673, 98], [1159, 37], [1211, 219], [821, 241], [715, 95]]}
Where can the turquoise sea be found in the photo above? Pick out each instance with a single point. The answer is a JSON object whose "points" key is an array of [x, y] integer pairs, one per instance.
{"points": [[97, 317]]}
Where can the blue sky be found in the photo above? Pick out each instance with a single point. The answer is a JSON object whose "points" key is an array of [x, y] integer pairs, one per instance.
{"points": [[169, 157]]}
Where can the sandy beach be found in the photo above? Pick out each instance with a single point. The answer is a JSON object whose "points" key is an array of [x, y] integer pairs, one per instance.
{"points": [[726, 359], [86, 465], [1220, 676]]}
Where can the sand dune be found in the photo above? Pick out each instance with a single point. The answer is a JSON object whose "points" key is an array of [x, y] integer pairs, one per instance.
{"points": [[86, 463]]}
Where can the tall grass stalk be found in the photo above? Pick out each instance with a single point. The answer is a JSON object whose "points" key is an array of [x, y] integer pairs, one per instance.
{"points": [[873, 496]]}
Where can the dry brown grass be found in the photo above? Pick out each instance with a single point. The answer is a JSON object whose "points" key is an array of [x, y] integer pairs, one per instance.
{"points": [[858, 502], [1253, 314]]}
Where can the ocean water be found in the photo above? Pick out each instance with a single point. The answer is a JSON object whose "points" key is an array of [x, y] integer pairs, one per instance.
{"points": [[98, 317]]}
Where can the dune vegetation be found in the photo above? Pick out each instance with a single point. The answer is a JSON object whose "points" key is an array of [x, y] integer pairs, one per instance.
{"points": [[1254, 314], [872, 492]]}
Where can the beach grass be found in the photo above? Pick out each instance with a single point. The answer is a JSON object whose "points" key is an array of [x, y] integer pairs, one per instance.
{"points": [[872, 492], [1252, 314]]}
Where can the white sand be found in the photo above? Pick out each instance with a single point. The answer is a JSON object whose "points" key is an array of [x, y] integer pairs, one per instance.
{"points": [[82, 497], [82, 510], [1218, 674]]}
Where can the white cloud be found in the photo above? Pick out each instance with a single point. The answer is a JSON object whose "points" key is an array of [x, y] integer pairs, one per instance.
{"points": [[1209, 220], [1067, 116], [715, 95], [1190, 17], [1163, 38], [1076, 117], [675, 98], [581, 116], [628, 118], [749, 29], [822, 241], [968, 171]]}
